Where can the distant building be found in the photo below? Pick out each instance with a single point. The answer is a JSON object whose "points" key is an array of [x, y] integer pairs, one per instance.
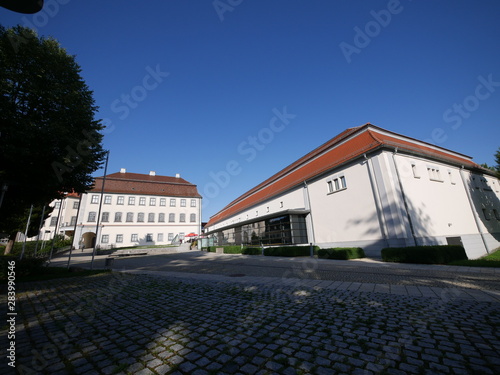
{"points": [[371, 188], [136, 209]]}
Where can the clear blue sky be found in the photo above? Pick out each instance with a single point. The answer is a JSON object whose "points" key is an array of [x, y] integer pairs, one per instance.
{"points": [[192, 87]]}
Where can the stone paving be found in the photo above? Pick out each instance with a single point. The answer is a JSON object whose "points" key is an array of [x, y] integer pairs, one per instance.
{"points": [[176, 323]]}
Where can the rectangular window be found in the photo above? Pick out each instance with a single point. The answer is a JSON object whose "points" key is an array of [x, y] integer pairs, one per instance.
{"points": [[170, 236], [120, 200], [336, 184], [105, 238], [58, 204], [130, 217], [134, 237], [94, 199], [330, 186], [107, 199], [76, 205], [140, 217], [451, 177], [73, 220], [119, 238], [497, 215], [486, 214], [161, 218], [142, 201], [192, 218], [171, 218], [149, 237], [151, 217], [193, 202], [131, 201], [105, 217], [118, 217], [172, 202], [163, 202], [434, 174], [183, 203], [53, 221], [92, 215], [152, 201], [160, 237], [182, 218], [414, 169], [342, 182]]}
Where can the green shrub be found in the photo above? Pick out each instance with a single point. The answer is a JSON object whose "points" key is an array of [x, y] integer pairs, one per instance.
{"points": [[252, 251], [290, 251], [232, 249], [211, 249], [439, 254], [341, 253]]}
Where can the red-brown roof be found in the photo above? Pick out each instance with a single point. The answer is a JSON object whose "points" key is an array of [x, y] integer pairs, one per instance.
{"points": [[135, 183], [346, 146]]}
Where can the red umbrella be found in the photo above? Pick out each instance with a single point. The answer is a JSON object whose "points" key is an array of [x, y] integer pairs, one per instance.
{"points": [[191, 235]]}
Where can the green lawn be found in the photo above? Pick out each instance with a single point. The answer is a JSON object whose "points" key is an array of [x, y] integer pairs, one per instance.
{"points": [[490, 260]]}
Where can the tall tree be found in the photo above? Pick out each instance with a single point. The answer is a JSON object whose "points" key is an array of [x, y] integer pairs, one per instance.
{"points": [[50, 140], [497, 160]]}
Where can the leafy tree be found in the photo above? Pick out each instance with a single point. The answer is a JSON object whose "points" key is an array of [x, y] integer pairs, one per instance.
{"points": [[50, 141], [497, 160]]}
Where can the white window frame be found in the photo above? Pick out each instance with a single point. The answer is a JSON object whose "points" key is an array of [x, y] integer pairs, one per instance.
{"points": [[119, 238], [152, 201], [183, 202], [163, 202], [336, 183], [120, 200], [172, 202], [107, 199], [142, 201], [131, 201], [94, 199], [193, 202]]}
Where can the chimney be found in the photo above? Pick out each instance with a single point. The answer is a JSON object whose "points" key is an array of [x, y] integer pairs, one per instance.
{"points": [[123, 170], [152, 173], [177, 175]]}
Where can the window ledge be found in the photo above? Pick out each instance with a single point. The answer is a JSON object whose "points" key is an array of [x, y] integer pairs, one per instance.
{"points": [[336, 191]]}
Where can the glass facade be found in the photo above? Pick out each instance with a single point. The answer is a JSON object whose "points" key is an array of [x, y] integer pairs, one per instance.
{"points": [[280, 230]]}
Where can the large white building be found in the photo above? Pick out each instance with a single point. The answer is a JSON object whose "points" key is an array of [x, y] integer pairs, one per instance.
{"points": [[135, 209], [371, 188]]}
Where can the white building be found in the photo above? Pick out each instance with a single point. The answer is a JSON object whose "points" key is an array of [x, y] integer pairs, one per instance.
{"points": [[135, 209], [371, 188]]}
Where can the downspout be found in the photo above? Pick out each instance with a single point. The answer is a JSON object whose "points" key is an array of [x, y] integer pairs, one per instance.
{"points": [[474, 212], [308, 207], [404, 197], [376, 197]]}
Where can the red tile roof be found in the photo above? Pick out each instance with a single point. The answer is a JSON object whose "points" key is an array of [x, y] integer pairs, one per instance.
{"points": [[135, 183], [346, 146]]}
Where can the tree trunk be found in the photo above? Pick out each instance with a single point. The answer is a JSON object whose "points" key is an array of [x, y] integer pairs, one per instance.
{"points": [[10, 244]]}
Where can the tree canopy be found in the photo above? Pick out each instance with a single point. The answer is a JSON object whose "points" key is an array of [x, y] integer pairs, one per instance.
{"points": [[50, 141]]}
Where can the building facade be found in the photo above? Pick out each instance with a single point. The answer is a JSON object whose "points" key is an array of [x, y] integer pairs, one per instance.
{"points": [[371, 188], [131, 209]]}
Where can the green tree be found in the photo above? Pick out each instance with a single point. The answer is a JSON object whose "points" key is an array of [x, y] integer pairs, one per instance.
{"points": [[50, 140], [497, 160]]}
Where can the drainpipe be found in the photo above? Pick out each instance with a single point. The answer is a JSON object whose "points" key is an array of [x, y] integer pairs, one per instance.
{"points": [[404, 197], [308, 207], [376, 197], [474, 212]]}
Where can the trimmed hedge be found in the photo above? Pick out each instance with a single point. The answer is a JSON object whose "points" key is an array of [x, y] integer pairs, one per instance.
{"points": [[341, 253], [236, 249], [290, 251], [439, 254]]}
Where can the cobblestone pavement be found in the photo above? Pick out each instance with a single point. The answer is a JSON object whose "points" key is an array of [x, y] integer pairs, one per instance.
{"points": [[178, 323]]}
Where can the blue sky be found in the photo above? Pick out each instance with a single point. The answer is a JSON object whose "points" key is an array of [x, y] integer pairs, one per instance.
{"points": [[228, 92]]}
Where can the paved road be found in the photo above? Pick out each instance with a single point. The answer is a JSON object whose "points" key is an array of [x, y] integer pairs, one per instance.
{"points": [[255, 315]]}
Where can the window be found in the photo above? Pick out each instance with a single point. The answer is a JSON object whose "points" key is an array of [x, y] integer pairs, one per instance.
{"points": [[151, 217], [94, 199], [130, 217], [434, 174], [134, 238], [172, 202], [149, 237], [170, 236], [163, 202], [183, 203], [182, 218], [131, 201], [160, 237], [118, 217], [73, 220], [105, 238], [342, 182], [171, 218], [120, 200], [107, 199], [192, 218], [161, 218], [119, 238], [92, 215], [140, 217], [105, 217], [57, 204], [330, 186], [414, 169], [193, 202], [53, 221], [76, 205], [452, 178], [486, 214], [142, 201], [336, 184], [152, 201]]}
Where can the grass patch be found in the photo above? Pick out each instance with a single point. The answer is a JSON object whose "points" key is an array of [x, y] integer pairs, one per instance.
{"points": [[490, 260]]}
